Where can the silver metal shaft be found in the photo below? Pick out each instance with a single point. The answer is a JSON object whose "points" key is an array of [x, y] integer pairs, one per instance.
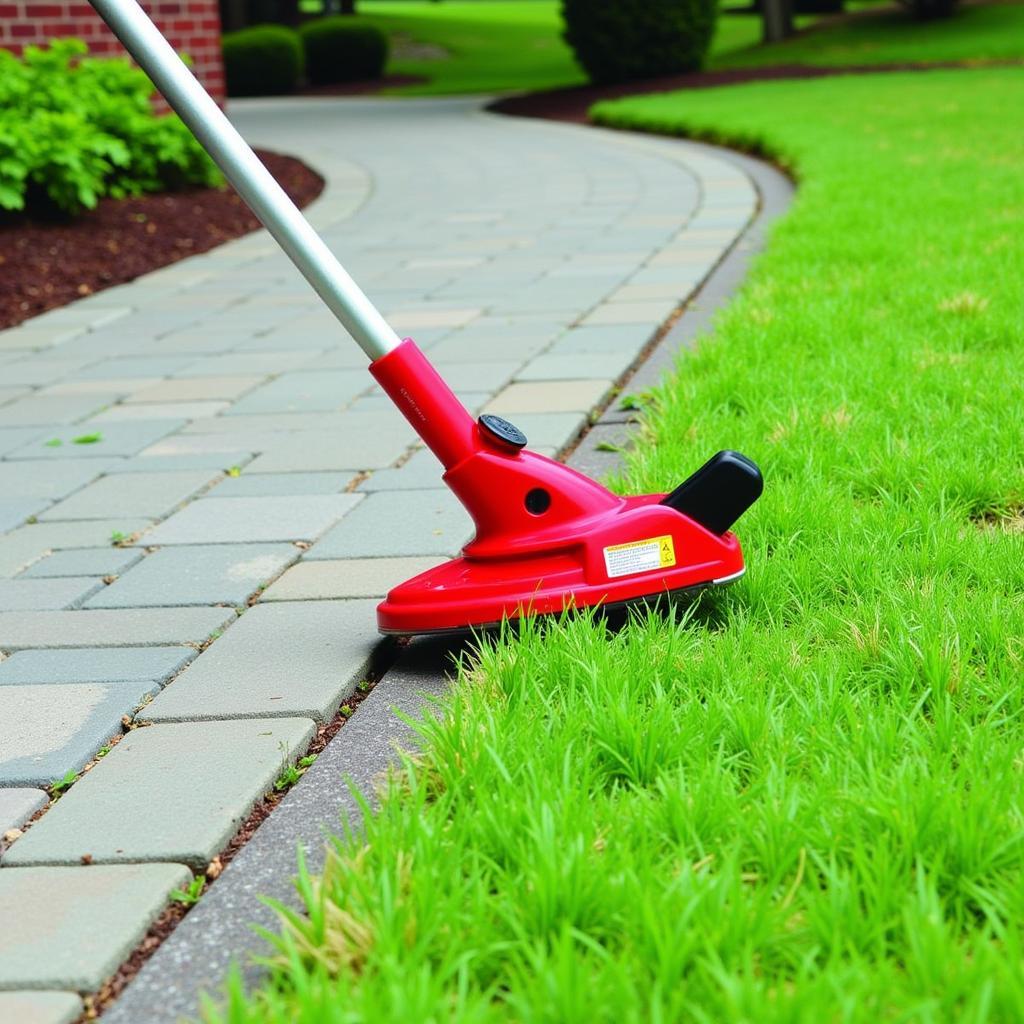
{"points": [[218, 136]]}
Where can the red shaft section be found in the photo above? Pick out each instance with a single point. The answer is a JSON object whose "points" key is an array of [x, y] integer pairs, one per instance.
{"points": [[427, 403]]}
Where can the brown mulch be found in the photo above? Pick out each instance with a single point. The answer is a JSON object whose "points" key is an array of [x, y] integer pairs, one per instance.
{"points": [[572, 104], [46, 263]]}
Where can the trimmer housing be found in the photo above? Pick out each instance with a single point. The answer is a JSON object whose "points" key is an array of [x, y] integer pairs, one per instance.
{"points": [[548, 539]]}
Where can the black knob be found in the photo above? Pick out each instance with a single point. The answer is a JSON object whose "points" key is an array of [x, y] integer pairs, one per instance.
{"points": [[507, 435]]}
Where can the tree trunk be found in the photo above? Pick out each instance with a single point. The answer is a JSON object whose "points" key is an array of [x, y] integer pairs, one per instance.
{"points": [[778, 20], [347, 7]]}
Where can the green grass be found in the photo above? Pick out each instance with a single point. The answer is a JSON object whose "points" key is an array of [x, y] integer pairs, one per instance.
{"points": [[974, 34], [803, 802], [500, 45]]}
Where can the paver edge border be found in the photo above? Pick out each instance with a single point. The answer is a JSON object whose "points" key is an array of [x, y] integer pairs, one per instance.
{"points": [[219, 930]]}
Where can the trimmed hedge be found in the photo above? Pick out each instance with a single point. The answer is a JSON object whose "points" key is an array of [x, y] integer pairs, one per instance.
{"points": [[622, 40], [74, 129], [343, 49], [265, 60]]}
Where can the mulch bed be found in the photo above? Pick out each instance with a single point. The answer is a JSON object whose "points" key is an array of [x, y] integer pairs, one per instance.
{"points": [[572, 104], [48, 263]]}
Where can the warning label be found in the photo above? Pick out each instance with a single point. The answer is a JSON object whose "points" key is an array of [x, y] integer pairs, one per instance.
{"points": [[639, 556]]}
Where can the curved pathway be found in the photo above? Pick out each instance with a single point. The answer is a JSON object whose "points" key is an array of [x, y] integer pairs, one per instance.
{"points": [[216, 423]]}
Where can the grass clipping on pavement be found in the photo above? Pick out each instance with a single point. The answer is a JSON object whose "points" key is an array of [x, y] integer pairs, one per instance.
{"points": [[804, 802]]}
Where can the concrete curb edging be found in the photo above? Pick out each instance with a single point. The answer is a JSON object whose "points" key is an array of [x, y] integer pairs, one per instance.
{"points": [[220, 929]]}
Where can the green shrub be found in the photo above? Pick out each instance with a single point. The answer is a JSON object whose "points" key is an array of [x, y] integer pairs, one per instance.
{"points": [[620, 40], [265, 60], [926, 10], [343, 49], [75, 129]]}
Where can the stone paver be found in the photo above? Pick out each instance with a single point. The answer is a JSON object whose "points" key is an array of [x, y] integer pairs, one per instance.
{"points": [[265, 485], [147, 495], [240, 520], [25, 546], [132, 627], [109, 561], [76, 924], [27, 1007], [431, 522], [113, 439], [95, 665], [532, 263], [344, 578], [53, 479], [47, 731], [299, 658], [188, 787], [199, 574], [47, 594], [549, 396], [17, 806]]}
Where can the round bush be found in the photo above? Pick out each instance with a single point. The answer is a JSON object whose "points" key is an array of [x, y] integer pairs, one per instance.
{"points": [[620, 40], [343, 49], [265, 60]]}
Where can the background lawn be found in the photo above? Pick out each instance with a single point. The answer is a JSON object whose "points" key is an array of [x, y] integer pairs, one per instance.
{"points": [[509, 45], [803, 803], [501, 45], [974, 34]]}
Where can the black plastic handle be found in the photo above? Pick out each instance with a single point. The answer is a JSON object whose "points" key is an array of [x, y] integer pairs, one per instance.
{"points": [[719, 492]]}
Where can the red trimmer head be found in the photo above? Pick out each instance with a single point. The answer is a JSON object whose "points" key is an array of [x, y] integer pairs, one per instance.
{"points": [[548, 539]]}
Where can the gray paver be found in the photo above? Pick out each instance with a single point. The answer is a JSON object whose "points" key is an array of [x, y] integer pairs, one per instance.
{"points": [[345, 578], [302, 392], [115, 439], [19, 595], [12, 438], [48, 730], [195, 389], [600, 366], [240, 520], [27, 1007], [251, 670], [428, 522], [95, 665], [130, 627], [15, 511], [183, 808], [167, 411], [99, 562], [549, 396], [47, 409], [420, 472], [48, 480], [264, 485], [17, 806], [28, 544], [76, 924], [196, 574], [311, 452], [149, 495]]}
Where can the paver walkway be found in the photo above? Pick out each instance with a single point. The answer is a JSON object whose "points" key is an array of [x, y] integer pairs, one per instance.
{"points": [[173, 448]]}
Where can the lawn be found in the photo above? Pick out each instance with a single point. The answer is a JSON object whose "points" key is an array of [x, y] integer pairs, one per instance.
{"points": [[802, 801], [975, 34], [499, 45]]}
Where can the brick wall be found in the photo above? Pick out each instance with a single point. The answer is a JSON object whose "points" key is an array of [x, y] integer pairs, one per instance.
{"points": [[192, 26]]}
